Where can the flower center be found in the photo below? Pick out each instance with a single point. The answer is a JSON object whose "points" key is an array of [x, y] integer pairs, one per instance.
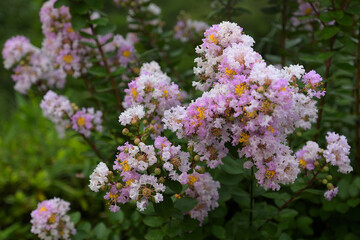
{"points": [[192, 180], [213, 39], [269, 173], [126, 54], [68, 58], [240, 89], [244, 138], [81, 121]]}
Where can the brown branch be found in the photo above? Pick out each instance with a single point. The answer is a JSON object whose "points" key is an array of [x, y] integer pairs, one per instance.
{"points": [[228, 10], [303, 189], [91, 144], [107, 67], [326, 76], [283, 33], [357, 137]]}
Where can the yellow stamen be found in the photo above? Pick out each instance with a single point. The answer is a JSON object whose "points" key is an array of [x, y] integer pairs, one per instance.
{"points": [[134, 92], [244, 138], [271, 129], [192, 180], [269, 173], [113, 196], [43, 209], [213, 39], [70, 30], [240, 89], [230, 72], [126, 54], [308, 11], [81, 121], [302, 163], [177, 196], [68, 58], [52, 218], [125, 166]]}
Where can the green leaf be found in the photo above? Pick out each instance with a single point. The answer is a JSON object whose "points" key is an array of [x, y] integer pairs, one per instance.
{"points": [[103, 30], [218, 231], [303, 223], [87, 35], [338, 14], [155, 234], [175, 186], [329, 32], [98, 71], [89, 44], [324, 56], [94, 4], [100, 21], [100, 231], [153, 221], [288, 213], [345, 21], [80, 8], [78, 22], [326, 17], [75, 217], [185, 204], [232, 166], [60, 3], [165, 207], [118, 71]]}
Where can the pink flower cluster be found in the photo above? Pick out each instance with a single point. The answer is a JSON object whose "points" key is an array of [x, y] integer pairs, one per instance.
{"points": [[311, 157], [204, 189], [31, 66], [49, 220], [154, 91], [306, 16], [250, 104], [60, 111], [187, 29], [61, 42]]}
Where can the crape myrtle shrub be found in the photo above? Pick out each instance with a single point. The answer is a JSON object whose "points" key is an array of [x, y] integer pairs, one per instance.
{"points": [[234, 147]]}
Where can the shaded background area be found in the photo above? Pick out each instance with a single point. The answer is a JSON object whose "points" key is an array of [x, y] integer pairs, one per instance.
{"points": [[35, 164]]}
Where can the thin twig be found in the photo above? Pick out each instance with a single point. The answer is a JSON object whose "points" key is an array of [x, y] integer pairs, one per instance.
{"points": [[327, 73], [228, 10], [297, 193], [357, 140], [283, 32], [107, 67], [303, 189]]}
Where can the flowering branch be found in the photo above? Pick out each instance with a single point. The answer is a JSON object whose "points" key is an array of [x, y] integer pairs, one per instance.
{"points": [[107, 67], [303, 189]]}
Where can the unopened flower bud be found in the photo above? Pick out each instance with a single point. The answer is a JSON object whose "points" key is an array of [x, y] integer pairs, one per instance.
{"points": [[190, 148], [110, 173], [137, 141], [118, 186], [299, 134], [308, 85], [157, 171], [126, 150], [324, 181], [141, 158], [330, 186], [161, 180], [325, 169], [134, 121], [201, 170], [261, 89], [125, 131], [145, 122], [316, 163], [197, 158], [103, 188], [144, 137], [153, 122], [329, 177]]}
